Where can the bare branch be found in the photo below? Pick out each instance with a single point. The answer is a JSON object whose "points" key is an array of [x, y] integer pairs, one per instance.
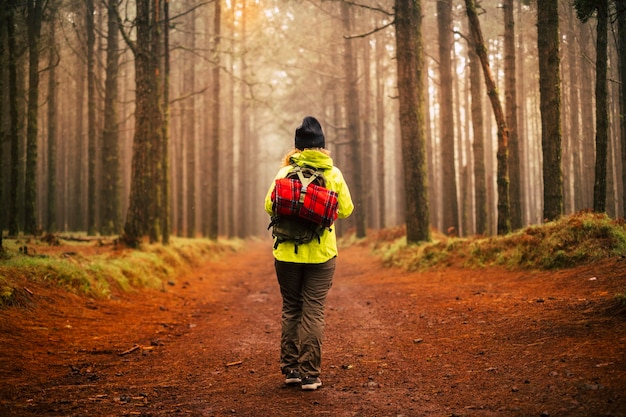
{"points": [[374, 9], [375, 30]]}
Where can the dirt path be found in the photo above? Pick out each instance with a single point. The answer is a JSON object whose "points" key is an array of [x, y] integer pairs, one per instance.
{"points": [[450, 343]]}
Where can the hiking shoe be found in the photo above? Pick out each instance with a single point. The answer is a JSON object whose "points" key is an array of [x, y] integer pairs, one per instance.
{"points": [[292, 378], [311, 383]]}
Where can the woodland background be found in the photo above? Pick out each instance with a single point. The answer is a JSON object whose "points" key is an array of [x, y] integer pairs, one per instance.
{"points": [[151, 118]]}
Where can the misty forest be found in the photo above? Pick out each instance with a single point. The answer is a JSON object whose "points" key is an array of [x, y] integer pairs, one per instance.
{"points": [[147, 119]]}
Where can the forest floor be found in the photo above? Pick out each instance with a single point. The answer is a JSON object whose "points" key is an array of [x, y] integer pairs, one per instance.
{"points": [[452, 342]]}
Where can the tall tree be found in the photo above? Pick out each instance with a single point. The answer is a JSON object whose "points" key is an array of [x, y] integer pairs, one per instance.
{"points": [[574, 128], [410, 62], [51, 225], [587, 112], [239, 128], [3, 60], [621, 45], [144, 204], [584, 10], [550, 106], [510, 95], [380, 130], [13, 119], [91, 117], [110, 196], [353, 122], [213, 220], [165, 128], [190, 137], [34, 21], [478, 144], [504, 217], [450, 205]]}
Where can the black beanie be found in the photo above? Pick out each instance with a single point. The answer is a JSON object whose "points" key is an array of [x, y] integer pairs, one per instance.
{"points": [[309, 134]]}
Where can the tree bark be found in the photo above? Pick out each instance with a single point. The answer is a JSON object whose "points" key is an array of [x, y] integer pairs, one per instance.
{"points": [[3, 61], [35, 16], [478, 145], [504, 219], [450, 205], [189, 122], [380, 133], [354, 127], [13, 121], [410, 61], [91, 118], [602, 125], [142, 218], [51, 203], [577, 149], [621, 45], [515, 168], [213, 210], [550, 105], [165, 126], [110, 192]]}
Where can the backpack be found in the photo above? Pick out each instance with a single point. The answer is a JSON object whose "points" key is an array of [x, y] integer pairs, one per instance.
{"points": [[303, 208]]}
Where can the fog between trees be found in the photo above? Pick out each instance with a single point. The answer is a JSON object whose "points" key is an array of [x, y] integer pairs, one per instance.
{"points": [[210, 93]]}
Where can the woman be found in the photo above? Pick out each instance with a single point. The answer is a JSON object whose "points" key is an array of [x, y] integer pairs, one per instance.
{"points": [[305, 275]]}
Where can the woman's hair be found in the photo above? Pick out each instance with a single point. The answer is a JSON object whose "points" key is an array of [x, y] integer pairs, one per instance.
{"points": [[287, 160]]}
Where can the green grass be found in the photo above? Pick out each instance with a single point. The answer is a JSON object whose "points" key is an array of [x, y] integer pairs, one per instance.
{"points": [[98, 275], [573, 240]]}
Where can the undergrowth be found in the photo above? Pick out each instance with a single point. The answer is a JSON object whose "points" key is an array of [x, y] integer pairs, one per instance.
{"points": [[573, 240], [97, 275], [578, 239]]}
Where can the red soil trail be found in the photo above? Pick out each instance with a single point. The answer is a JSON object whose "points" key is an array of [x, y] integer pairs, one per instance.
{"points": [[453, 342]]}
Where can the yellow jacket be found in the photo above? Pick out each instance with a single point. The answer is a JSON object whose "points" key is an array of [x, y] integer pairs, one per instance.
{"points": [[314, 252]]}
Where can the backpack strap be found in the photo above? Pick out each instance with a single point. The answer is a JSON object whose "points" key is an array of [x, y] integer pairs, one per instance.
{"points": [[304, 180]]}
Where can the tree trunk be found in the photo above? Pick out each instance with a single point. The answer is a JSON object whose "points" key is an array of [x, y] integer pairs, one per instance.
{"points": [[524, 141], [450, 205], [367, 148], [141, 219], [515, 168], [35, 16], [3, 61], [354, 127], [165, 133], [550, 105], [51, 224], [577, 149], [110, 192], [91, 118], [158, 154], [380, 133], [587, 113], [478, 146], [213, 210], [76, 153], [233, 181], [602, 125], [621, 45], [504, 219], [410, 61], [189, 122], [13, 122], [247, 152]]}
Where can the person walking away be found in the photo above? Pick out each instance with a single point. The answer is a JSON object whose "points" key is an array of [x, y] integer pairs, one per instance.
{"points": [[305, 270]]}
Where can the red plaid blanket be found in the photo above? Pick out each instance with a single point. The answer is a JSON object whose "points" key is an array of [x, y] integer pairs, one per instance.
{"points": [[319, 205]]}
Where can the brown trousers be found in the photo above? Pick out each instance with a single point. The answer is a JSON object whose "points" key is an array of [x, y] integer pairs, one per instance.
{"points": [[304, 288]]}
